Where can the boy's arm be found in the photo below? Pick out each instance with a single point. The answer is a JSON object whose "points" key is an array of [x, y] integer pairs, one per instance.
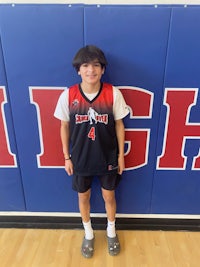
{"points": [[119, 126], [64, 133]]}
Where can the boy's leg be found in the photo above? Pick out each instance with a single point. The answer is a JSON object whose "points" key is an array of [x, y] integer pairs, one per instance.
{"points": [[110, 205], [84, 207], [108, 186], [82, 185], [87, 247]]}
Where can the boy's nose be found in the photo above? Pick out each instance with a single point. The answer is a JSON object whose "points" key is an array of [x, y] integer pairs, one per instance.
{"points": [[91, 67]]}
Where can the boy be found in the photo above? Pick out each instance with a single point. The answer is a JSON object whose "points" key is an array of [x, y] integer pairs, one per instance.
{"points": [[92, 135]]}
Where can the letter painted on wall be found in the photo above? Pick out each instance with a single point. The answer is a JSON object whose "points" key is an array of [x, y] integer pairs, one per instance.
{"points": [[140, 102], [7, 158], [45, 99], [178, 129]]}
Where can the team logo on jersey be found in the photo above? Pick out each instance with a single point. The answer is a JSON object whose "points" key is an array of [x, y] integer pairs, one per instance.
{"points": [[92, 116], [75, 102]]}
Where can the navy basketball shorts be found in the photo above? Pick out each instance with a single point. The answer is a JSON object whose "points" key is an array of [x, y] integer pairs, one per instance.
{"points": [[82, 184]]}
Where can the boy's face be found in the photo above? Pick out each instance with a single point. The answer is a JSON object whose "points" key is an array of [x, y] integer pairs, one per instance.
{"points": [[91, 72]]}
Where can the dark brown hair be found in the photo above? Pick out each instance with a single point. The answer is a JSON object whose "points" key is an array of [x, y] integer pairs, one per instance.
{"points": [[87, 54]]}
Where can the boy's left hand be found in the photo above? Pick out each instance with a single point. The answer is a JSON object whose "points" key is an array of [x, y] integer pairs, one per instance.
{"points": [[121, 164]]}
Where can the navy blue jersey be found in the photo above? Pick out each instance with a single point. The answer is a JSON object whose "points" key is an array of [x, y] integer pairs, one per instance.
{"points": [[94, 146]]}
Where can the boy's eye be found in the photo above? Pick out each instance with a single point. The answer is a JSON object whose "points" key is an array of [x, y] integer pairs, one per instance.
{"points": [[97, 64]]}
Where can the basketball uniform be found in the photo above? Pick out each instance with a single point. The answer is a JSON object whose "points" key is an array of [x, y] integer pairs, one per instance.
{"points": [[94, 147]]}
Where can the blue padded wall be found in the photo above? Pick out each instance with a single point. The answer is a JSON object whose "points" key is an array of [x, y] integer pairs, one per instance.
{"points": [[178, 191], [11, 188], [151, 52], [38, 44]]}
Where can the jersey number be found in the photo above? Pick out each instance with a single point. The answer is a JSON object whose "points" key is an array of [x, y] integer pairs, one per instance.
{"points": [[91, 133]]}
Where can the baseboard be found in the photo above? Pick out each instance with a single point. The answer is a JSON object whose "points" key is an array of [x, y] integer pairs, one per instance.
{"points": [[45, 222]]}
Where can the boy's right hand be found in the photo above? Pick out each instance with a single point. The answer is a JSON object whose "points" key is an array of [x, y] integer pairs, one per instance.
{"points": [[69, 167]]}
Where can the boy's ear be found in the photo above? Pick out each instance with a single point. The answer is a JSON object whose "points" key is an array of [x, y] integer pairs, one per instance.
{"points": [[79, 73]]}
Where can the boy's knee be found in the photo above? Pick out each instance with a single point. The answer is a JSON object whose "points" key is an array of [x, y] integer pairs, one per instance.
{"points": [[109, 197], [84, 197]]}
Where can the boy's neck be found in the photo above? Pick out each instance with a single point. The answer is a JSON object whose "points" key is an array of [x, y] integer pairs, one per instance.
{"points": [[90, 88]]}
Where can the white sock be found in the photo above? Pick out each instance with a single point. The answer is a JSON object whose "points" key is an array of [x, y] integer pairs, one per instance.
{"points": [[111, 229], [89, 233]]}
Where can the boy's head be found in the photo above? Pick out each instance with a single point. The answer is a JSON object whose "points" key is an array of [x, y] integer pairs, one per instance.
{"points": [[88, 54]]}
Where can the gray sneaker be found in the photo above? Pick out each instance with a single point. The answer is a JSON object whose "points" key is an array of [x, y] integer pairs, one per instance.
{"points": [[113, 245], [87, 248]]}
